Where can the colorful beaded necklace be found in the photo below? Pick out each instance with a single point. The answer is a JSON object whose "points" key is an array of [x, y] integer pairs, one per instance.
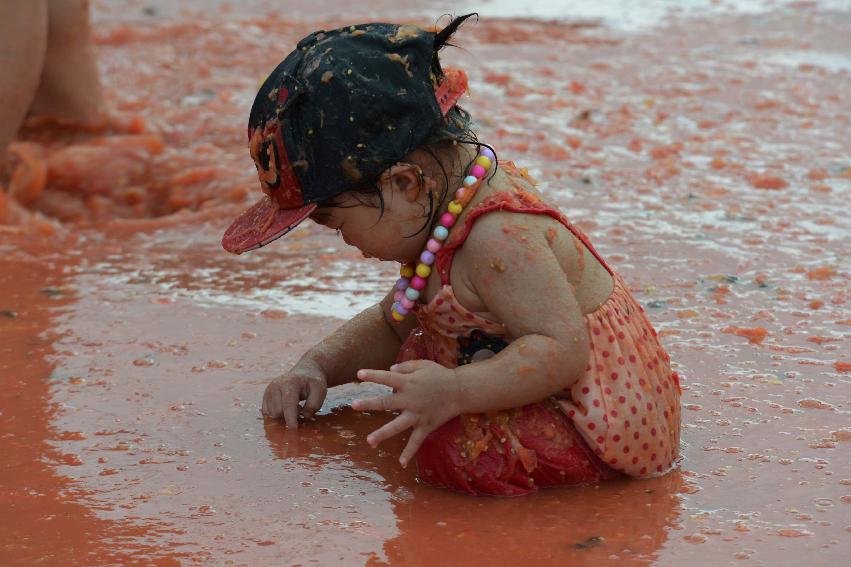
{"points": [[414, 275]]}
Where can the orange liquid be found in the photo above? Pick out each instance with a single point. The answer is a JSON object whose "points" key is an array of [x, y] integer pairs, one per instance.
{"points": [[134, 359]]}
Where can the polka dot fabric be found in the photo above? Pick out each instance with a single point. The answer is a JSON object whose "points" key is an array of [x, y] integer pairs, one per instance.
{"points": [[441, 322], [626, 406]]}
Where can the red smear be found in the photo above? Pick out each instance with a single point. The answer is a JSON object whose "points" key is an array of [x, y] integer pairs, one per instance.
{"points": [[821, 340], [497, 78], [720, 292], [766, 181], [573, 142], [816, 174], [577, 88], [754, 335], [662, 152], [554, 152], [822, 273]]}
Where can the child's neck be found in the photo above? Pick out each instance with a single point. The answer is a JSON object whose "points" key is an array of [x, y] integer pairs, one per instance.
{"points": [[457, 161], [462, 157]]}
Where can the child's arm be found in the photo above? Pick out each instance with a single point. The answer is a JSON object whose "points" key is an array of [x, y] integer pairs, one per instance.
{"points": [[368, 340], [518, 277]]}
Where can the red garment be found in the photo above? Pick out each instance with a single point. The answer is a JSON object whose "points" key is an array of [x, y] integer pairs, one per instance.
{"points": [[509, 453], [623, 412]]}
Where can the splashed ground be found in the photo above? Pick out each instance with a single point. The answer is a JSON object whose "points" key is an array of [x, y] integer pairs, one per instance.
{"points": [[708, 159]]}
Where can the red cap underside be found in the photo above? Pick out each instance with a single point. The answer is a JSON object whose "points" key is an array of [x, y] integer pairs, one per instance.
{"points": [[261, 224]]}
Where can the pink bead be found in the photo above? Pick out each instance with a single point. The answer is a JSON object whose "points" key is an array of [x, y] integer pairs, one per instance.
{"points": [[432, 245], [398, 296], [447, 220], [460, 194], [477, 171], [407, 303], [427, 258], [418, 283], [402, 283]]}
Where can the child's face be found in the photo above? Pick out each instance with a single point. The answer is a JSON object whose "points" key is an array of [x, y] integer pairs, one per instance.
{"points": [[378, 235]]}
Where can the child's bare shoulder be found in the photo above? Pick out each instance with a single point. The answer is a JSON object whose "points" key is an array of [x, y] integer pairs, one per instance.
{"points": [[503, 241], [508, 270], [515, 232]]}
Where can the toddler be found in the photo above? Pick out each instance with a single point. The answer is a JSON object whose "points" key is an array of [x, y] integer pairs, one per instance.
{"points": [[517, 357]]}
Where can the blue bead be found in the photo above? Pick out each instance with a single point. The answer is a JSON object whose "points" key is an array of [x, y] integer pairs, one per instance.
{"points": [[470, 180], [441, 233], [412, 294]]}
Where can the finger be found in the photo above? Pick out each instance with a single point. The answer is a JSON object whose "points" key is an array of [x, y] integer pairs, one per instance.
{"points": [[389, 402], [391, 429], [418, 435], [315, 397], [289, 400], [271, 400], [408, 366], [264, 407], [379, 377]]}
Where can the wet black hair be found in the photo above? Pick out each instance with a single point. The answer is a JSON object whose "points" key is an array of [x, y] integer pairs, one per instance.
{"points": [[456, 128]]}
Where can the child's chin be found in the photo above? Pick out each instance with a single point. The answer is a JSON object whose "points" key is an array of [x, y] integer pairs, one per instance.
{"points": [[366, 254], [378, 256]]}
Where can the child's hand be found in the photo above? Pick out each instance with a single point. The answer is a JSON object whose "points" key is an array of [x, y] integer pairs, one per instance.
{"points": [[426, 393], [283, 394]]}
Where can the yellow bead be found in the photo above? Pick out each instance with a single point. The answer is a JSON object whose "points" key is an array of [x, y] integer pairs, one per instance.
{"points": [[455, 208], [396, 316], [406, 271], [423, 271], [484, 161]]}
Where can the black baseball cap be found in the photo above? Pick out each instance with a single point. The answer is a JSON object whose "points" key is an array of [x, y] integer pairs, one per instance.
{"points": [[343, 107]]}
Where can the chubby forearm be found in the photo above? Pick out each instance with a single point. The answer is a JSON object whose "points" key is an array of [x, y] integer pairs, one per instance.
{"points": [[365, 341], [527, 371]]}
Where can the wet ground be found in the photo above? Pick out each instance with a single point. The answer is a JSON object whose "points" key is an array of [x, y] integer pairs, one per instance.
{"points": [[707, 156]]}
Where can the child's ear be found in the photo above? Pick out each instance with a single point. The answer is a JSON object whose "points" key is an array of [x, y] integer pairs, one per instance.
{"points": [[408, 180]]}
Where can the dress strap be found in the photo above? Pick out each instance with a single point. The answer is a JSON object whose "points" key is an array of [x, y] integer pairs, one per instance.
{"points": [[515, 202]]}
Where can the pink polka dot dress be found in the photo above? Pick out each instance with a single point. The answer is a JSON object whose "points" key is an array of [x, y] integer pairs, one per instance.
{"points": [[624, 410], [627, 404]]}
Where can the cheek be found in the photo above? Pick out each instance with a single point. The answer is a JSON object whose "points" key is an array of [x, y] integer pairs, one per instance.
{"points": [[385, 228]]}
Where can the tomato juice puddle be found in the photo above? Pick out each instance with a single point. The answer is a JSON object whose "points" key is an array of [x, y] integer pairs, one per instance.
{"points": [[135, 350]]}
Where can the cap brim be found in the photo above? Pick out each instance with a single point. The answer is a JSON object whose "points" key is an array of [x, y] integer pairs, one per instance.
{"points": [[261, 224]]}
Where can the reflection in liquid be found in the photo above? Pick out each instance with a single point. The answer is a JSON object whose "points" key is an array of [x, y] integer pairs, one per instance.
{"points": [[629, 519], [42, 516]]}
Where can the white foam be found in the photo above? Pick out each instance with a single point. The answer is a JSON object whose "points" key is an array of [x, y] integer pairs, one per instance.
{"points": [[830, 61], [629, 15]]}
